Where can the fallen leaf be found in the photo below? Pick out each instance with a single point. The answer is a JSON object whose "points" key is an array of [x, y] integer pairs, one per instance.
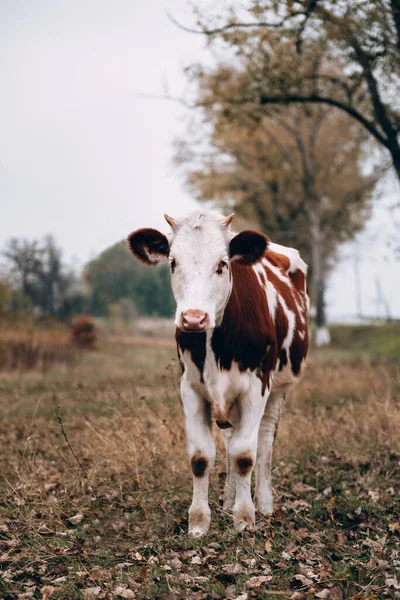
{"points": [[268, 546], [124, 592], [76, 519], [230, 591], [91, 592], [337, 592], [373, 495], [196, 560], [44, 530], [331, 504], [393, 583], [258, 581], [47, 591], [176, 563], [323, 593], [303, 580]]}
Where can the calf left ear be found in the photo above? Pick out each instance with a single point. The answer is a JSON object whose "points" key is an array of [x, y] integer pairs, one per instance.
{"points": [[247, 247], [149, 246]]}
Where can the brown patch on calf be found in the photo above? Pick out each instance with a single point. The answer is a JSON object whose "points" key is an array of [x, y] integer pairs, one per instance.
{"points": [[295, 301], [282, 359], [299, 280], [247, 328], [279, 260], [298, 351], [244, 463], [199, 464]]}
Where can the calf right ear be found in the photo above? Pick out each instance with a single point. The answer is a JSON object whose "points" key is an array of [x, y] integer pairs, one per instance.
{"points": [[149, 246]]}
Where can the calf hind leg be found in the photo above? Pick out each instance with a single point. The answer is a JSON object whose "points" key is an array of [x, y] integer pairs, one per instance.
{"points": [[230, 481], [266, 436]]}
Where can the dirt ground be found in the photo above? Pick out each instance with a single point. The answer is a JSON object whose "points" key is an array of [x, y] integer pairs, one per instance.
{"points": [[95, 485]]}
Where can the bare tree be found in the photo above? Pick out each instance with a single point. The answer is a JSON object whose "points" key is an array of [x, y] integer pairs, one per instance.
{"points": [[38, 270]]}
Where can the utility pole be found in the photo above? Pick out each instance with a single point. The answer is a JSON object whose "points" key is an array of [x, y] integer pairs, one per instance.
{"points": [[381, 301], [357, 282]]}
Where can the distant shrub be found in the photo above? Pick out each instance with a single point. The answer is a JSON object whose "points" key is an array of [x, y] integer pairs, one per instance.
{"points": [[84, 332]]}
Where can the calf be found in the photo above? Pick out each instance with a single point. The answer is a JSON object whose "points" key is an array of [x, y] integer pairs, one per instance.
{"points": [[242, 335]]}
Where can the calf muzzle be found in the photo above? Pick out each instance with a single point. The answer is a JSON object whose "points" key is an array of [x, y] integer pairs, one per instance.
{"points": [[194, 320]]}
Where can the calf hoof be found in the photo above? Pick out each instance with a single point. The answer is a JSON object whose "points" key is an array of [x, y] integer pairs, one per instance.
{"points": [[265, 507], [243, 517], [199, 521]]}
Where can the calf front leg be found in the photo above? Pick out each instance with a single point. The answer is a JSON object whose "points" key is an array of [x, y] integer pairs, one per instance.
{"points": [[201, 450], [242, 451]]}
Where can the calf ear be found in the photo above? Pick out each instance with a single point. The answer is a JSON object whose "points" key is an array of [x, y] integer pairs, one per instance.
{"points": [[149, 246], [247, 247]]}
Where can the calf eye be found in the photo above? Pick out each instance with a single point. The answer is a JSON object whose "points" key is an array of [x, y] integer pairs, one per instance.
{"points": [[172, 264], [221, 265]]}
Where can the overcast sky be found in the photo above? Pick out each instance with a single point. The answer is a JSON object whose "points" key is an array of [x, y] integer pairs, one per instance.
{"points": [[85, 157]]}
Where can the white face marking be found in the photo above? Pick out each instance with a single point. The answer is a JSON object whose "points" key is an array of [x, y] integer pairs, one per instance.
{"points": [[200, 269]]}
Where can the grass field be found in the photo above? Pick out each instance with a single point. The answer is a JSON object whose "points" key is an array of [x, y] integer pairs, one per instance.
{"points": [[95, 483]]}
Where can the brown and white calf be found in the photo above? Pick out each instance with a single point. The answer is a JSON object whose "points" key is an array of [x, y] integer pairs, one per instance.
{"points": [[242, 335]]}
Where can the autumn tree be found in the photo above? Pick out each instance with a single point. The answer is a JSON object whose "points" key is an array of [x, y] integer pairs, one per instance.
{"points": [[117, 281], [299, 40], [296, 172]]}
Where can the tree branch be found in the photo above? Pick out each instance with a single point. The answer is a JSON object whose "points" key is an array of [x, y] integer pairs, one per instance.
{"points": [[316, 99], [335, 80], [229, 26], [379, 107], [395, 7]]}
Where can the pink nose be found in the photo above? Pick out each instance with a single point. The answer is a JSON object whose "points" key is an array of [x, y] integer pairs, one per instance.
{"points": [[194, 320]]}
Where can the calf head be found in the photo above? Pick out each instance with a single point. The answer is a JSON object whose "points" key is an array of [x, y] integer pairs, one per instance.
{"points": [[200, 249]]}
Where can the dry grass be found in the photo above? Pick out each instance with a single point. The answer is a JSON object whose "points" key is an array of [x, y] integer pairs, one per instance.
{"points": [[22, 350], [118, 461]]}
